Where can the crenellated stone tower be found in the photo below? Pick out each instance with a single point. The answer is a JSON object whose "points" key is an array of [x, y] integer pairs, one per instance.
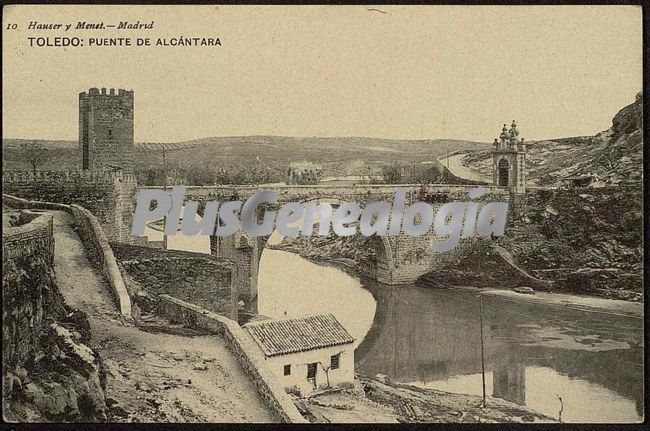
{"points": [[509, 160], [106, 129]]}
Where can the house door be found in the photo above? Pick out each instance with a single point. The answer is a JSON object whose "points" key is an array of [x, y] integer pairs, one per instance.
{"points": [[311, 374], [503, 167]]}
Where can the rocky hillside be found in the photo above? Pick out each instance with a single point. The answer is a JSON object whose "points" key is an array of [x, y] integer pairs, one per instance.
{"points": [[49, 373], [570, 240], [613, 156], [572, 237]]}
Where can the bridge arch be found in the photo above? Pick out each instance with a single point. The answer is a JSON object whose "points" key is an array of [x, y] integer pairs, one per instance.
{"points": [[336, 201], [246, 252]]}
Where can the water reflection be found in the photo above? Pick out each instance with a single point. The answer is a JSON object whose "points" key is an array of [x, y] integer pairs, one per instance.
{"points": [[430, 338]]}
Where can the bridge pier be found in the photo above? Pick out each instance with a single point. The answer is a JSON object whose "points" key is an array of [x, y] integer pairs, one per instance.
{"points": [[244, 252]]}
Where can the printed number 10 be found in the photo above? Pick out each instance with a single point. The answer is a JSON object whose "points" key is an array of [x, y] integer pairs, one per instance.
{"points": [[12, 26]]}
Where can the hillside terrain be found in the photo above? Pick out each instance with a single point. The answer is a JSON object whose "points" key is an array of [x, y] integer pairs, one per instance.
{"points": [[572, 236], [336, 156], [612, 156], [567, 240]]}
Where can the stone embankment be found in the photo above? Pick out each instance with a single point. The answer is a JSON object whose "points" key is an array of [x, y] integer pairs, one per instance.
{"points": [[195, 277]]}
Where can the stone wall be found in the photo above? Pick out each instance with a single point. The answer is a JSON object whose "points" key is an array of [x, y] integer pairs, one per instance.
{"points": [[48, 373], [27, 285], [195, 277], [108, 195], [94, 239], [96, 242], [243, 346]]}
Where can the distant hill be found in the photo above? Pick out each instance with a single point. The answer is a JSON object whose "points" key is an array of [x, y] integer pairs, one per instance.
{"points": [[337, 156], [613, 156], [62, 155]]}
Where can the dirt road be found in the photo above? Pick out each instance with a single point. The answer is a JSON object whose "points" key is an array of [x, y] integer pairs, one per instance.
{"points": [[153, 376], [456, 167]]}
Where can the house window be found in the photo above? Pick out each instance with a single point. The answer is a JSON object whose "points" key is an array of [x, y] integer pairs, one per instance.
{"points": [[110, 133], [311, 370], [334, 361], [287, 370]]}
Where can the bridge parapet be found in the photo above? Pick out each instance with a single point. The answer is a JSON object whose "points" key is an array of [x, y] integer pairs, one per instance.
{"points": [[362, 193]]}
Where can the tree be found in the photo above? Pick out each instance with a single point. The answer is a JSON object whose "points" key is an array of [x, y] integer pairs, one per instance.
{"points": [[392, 174], [35, 154]]}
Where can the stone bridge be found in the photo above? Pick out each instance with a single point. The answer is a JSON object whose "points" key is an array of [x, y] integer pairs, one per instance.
{"points": [[401, 259], [111, 197]]}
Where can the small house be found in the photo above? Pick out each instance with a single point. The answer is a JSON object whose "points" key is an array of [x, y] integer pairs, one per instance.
{"points": [[306, 353]]}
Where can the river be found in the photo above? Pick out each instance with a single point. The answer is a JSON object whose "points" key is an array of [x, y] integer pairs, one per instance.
{"points": [[534, 354]]}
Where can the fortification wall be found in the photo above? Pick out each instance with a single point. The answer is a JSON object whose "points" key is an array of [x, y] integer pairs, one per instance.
{"points": [[243, 347], [108, 195], [28, 285]]}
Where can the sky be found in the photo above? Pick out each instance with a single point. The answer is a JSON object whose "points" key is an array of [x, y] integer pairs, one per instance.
{"points": [[404, 72]]}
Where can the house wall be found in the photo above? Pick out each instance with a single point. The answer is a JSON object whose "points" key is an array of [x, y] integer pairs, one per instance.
{"points": [[298, 378]]}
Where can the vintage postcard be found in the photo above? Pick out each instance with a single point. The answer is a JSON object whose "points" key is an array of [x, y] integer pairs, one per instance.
{"points": [[322, 214]]}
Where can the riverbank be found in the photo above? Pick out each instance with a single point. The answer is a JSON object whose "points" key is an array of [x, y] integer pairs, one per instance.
{"points": [[615, 307], [378, 400], [552, 299]]}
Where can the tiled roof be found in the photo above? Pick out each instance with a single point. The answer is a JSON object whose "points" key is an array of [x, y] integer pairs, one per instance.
{"points": [[280, 337]]}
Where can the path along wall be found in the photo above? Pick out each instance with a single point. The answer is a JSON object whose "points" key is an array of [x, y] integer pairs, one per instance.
{"points": [[97, 245], [48, 372], [94, 239], [243, 347]]}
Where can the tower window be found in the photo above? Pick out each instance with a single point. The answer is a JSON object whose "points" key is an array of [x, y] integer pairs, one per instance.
{"points": [[110, 133]]}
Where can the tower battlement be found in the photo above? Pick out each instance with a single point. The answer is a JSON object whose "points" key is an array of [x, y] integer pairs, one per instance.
{"points": [[104, 92], [106, 129]]}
